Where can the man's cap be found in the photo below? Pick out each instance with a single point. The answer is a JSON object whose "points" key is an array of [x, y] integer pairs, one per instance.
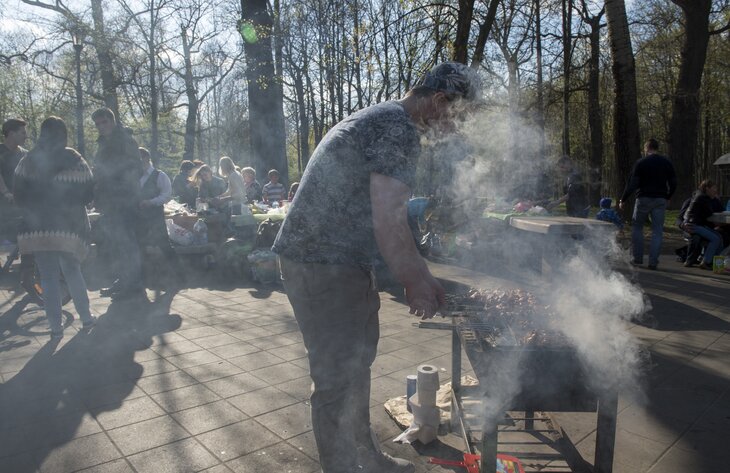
{"points": [[605, 203], [273, 171], [453, 78]]}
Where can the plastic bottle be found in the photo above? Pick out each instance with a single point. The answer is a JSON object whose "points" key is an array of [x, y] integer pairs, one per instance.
{"points": [[201, 231]]}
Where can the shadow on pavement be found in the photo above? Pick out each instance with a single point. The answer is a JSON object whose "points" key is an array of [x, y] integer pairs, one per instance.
{"points": [[57, 393]]}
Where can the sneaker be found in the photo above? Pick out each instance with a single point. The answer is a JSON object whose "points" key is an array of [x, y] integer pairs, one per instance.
{"points": [[636, 262], [653, 267], [384, 463], [704, 265], [688, 263], [56, 335]]}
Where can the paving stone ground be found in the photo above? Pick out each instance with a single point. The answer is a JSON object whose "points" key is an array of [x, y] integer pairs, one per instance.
{"points": [[216, 380]]}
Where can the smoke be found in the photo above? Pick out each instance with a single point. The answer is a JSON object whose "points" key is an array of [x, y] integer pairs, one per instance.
{"points": [[500, 156]]}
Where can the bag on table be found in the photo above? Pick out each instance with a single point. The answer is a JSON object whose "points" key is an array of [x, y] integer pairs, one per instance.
{"points": [[179, 235]]}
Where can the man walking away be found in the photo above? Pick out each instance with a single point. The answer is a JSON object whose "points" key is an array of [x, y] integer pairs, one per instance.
{"points": [[156, 191], [118, 169], [352, 199], [654, 180]]}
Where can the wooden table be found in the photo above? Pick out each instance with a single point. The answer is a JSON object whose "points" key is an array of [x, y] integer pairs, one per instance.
{"points": [[721, 217]]}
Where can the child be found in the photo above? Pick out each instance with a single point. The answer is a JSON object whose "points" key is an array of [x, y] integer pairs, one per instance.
{"points": [[607, 214], [274, 191]]}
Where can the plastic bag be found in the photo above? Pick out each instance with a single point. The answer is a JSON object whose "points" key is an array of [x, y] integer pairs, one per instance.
{"points": [[179, 235], [263, 266], [200, 230]]}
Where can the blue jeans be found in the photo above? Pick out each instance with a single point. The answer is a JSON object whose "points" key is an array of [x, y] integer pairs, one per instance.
{"points": [[51, 264], [643, 208], [714, 239]]}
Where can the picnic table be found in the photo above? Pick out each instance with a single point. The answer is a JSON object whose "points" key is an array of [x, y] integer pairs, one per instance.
{"points": [[553, 238]]}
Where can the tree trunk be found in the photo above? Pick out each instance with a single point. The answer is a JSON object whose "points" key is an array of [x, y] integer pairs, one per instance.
{"points": [[540, 108], [684, 124], [627, 146], [567, 59], [192, 96], [595, 120], [463, 27], [104, 55], [154, 91], [266, 110]]}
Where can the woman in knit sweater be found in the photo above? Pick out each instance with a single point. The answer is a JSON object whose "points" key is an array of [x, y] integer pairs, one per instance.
{"points": [[53, 184]]}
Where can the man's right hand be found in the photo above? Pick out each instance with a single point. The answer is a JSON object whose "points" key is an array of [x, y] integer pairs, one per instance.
{"points": [[425, 296]]}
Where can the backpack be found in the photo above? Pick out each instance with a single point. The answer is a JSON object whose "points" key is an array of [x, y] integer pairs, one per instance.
{"points": [[266, 233]]}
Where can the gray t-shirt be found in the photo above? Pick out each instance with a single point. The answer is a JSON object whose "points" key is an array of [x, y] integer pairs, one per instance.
{"points": [[330, 220]]}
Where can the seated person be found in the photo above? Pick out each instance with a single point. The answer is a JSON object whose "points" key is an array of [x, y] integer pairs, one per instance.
{"points": [[209, 186], [274, 191], [236, 192], [183, 188], [607, 214], [693, 250], [696, 222], [252, 186], [293, 190]]}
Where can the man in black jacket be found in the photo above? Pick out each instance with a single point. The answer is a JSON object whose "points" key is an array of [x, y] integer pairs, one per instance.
{"points": [[117, 170], [654, 181]]}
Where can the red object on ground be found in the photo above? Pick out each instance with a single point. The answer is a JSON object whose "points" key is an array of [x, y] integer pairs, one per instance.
{"points": [[505, 463]]}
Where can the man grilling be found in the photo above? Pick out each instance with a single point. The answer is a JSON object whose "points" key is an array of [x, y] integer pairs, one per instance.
{"points": [[352, 202]]}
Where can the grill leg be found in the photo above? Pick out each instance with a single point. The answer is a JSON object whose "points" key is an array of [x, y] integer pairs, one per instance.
{"points": [[455, 377], [529, 420], [489, 448], [606, 432]]}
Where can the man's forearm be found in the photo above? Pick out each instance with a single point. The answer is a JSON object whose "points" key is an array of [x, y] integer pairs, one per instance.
{"points": [[390, 222]]}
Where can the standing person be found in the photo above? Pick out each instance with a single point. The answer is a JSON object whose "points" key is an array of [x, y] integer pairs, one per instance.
{"points": [[654, 181], [117, 196], [182, 187], [11, 152], [156, 191], [53, 184], [252, 186], [274, 191], [575, 190], [236, 191], [350, 203]]}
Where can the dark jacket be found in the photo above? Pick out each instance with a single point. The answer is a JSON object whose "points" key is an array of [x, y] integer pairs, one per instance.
{"points": [[182, 192], [699, 210], [52, 188], [652, 176], [117, 169], [578, 202], [211, 189]]}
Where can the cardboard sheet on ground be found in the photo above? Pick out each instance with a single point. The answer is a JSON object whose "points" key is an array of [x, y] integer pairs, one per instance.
{"points": [[398, 411]]}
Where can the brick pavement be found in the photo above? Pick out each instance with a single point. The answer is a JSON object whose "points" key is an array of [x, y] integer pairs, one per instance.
{"points": [[217, 380]]}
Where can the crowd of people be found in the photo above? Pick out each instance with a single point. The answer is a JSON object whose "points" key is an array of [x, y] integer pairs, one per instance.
{"points": [[47, 191]]}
